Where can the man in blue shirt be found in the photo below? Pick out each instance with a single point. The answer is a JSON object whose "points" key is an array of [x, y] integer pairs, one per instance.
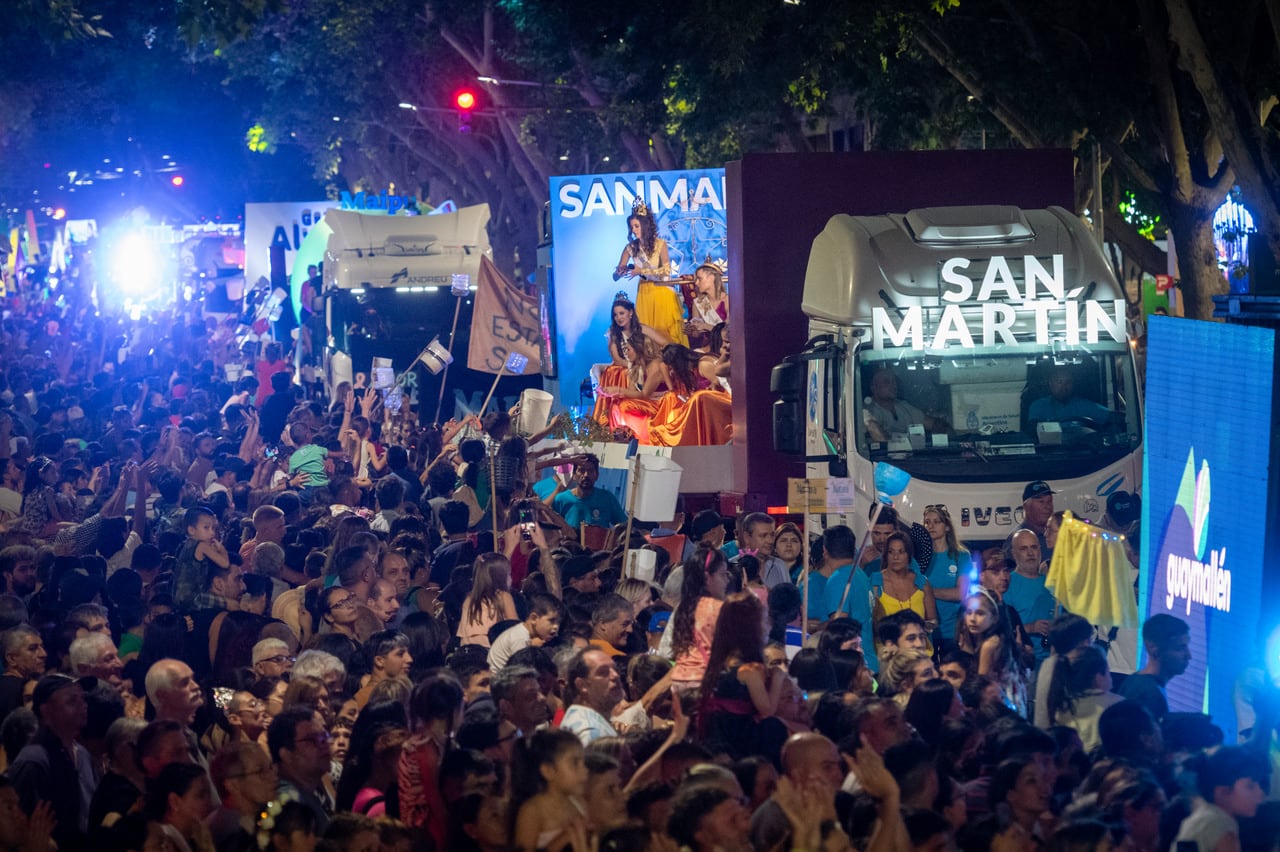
{"points": [[1027, 593], [1063, 404], [583, 504], [839, 548]]}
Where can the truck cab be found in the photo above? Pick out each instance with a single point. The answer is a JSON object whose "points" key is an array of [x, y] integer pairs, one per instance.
{"points": [[388, 282], [976, 348]]}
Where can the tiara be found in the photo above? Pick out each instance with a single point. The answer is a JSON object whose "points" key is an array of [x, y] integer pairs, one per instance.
{"points": [[639, 208], [222, 697], [721, 265], [622, 296]]}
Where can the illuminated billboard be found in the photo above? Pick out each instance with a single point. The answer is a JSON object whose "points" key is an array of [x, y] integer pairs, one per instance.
{"points": [[589, 232], [1209, 386]]}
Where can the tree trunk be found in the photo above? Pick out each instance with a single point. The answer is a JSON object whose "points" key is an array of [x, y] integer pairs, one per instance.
{"points": [[1199, 276]]}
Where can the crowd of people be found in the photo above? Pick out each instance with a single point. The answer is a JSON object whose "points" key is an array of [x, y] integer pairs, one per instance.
{"points": [[236, 616]]}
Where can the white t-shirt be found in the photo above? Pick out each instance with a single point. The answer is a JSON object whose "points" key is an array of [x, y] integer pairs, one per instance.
{"points": [[1206, 825], [508, 642]]}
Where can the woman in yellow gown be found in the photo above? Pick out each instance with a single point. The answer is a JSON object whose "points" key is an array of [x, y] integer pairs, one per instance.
{"points": [[646, 258]]}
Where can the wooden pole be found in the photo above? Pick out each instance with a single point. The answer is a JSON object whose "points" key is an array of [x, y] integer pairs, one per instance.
{"points": [[457, 309], [493, 495], [492, 388], [631, 514], [805, 568], [857, 559]]}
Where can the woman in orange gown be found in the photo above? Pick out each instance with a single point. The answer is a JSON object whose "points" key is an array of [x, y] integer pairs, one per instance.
{"points": [[635, 352], [694, 411]]}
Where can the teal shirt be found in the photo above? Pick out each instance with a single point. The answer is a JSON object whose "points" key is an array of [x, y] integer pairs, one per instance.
{"points": [[945, 573], [857, 605], [597, 509]]}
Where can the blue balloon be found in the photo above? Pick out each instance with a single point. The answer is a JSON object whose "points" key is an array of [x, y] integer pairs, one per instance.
{"points": [[890, 481]]}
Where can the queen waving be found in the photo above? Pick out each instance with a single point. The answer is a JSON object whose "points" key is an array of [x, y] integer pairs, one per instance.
{"points": [[645, 257]]}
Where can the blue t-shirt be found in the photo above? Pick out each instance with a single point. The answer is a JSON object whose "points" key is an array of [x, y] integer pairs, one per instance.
{"points": [[817, 592], [597, 509], [857, 605], [945, 573], [1033, 602], [1048, 409]]}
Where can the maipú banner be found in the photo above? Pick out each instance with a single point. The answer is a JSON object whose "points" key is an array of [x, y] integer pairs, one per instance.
{"points": [[1206, 481], [589, 231]]}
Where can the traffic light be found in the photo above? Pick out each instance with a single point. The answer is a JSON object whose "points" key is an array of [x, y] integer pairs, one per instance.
{"points": [[464, 101]]}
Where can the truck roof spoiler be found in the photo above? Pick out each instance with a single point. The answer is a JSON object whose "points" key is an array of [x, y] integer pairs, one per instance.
{"points": [[968, 225]]}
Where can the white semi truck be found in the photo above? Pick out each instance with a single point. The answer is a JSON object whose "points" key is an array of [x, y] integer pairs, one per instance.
{"points": [[388, 279], [976, 348]]}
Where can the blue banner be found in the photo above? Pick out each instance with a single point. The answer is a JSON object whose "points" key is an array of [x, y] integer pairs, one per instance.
{"points": [[1206, 485], [589, 232]]}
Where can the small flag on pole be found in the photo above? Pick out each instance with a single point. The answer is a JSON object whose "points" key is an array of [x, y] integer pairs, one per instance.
{"points": [[516, 363]]}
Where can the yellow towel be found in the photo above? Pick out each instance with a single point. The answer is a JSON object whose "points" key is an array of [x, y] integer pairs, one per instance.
{"points": [[1091, 575]]}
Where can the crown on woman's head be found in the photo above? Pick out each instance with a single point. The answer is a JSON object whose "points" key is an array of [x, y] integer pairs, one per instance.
{"points": [[622, 296], [639, 208]]}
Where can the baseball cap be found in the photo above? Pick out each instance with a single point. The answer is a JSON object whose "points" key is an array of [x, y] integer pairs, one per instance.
{"points": [[1039, 488], [268, 648], [577, 567], [1123, 507], [49, 685], [658, 621]]}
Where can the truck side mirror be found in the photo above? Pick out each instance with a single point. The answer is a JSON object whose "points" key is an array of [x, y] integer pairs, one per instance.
{"points": [[786, 383]]}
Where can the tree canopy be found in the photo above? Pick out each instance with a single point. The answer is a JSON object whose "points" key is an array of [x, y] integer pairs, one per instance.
{"points": [[1167, 103]]}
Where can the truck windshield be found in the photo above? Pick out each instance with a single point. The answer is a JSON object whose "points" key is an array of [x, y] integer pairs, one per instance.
{"points": [[1008, 414]]}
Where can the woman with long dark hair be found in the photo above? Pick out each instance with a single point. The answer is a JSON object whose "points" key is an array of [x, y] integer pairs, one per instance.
{"points": [[985, 632], [788, 548], [435, 712], [634, 352], [490, 599], [706, 578], [1079, 692], [932, 702], [740, 696], [693, 411], [645, 257], [373, 757]]}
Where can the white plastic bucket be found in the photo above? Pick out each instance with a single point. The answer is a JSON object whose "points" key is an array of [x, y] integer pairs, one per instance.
{"points": [[641, 564], [436, 357], [657, 480], [535, 409]]}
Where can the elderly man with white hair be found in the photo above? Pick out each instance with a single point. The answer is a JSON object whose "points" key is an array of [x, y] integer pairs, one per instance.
{"points": [[328, 668], [174, 692], [271, 658], [95, 655]]}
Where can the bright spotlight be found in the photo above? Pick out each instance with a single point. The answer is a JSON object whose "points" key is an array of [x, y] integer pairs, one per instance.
{"points": [[135, 266], [177, 180]]}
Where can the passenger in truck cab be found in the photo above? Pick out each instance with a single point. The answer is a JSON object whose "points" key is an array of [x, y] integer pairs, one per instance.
{"points": [[886, 415]]}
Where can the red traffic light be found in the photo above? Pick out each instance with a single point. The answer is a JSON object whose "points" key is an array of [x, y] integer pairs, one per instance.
{"points": [[465, 100]]}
